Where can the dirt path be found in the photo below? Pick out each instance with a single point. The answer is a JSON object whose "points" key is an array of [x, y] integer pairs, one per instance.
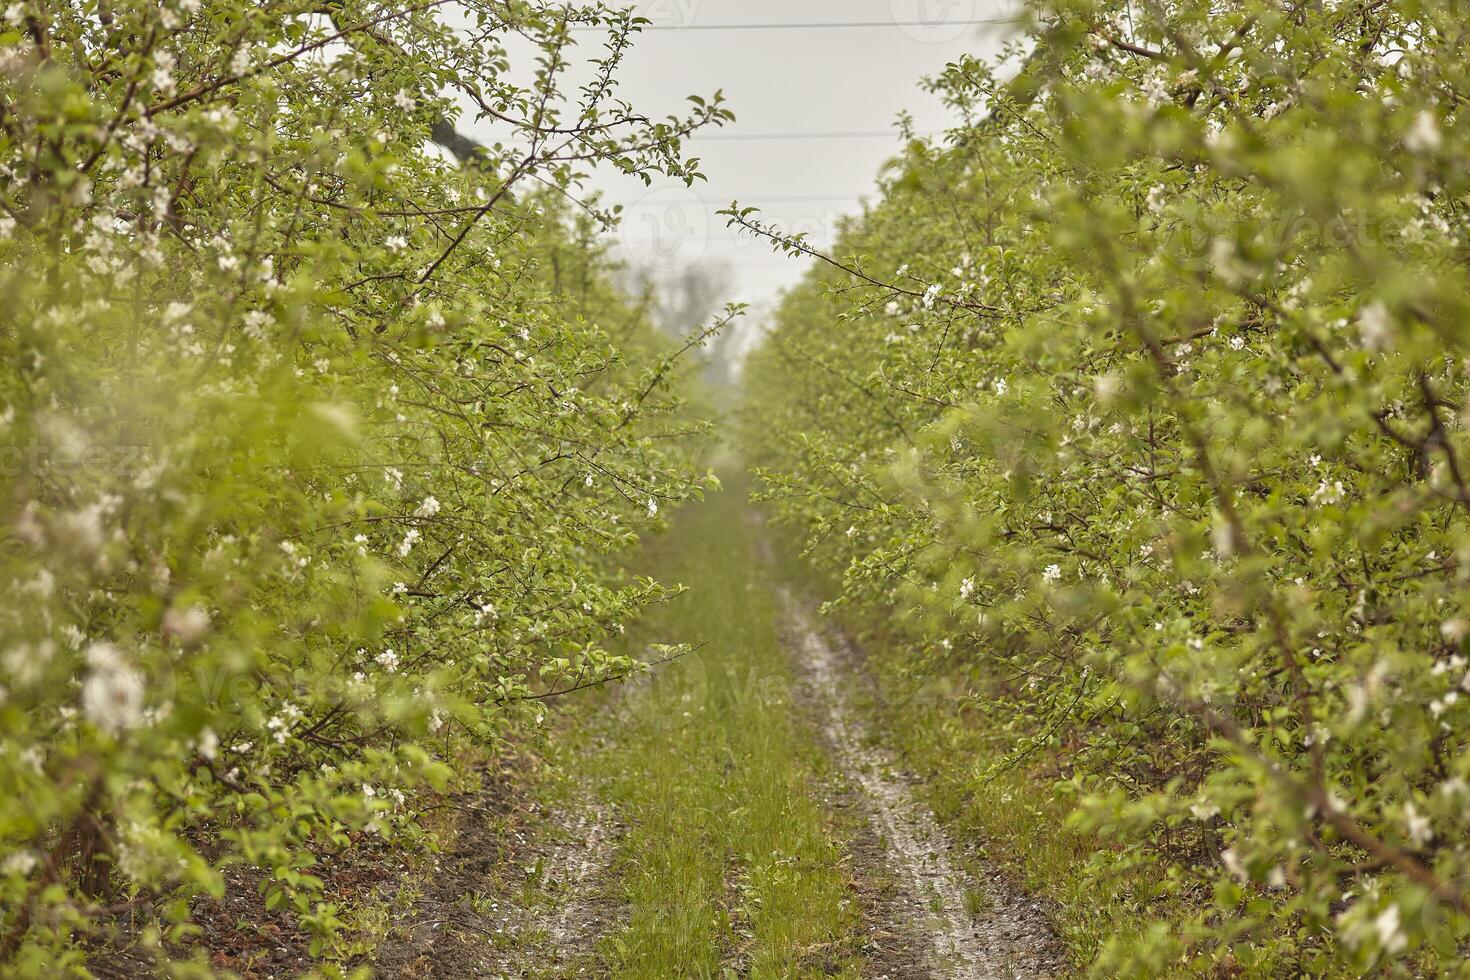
{"points": [[572, 868], [516, 896], [973, 928], [765, 835]]}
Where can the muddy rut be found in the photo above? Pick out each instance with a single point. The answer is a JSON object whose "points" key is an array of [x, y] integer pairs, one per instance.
{"points": [[572, 867], [475, 919], [1009, 937]]}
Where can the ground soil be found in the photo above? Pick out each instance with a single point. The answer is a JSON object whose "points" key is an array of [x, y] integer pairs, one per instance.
{"points": [[933, 919], [520, 894]]}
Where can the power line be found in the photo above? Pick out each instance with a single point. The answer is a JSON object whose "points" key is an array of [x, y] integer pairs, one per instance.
{"points": [[740, 267], [761, 137], [811, 25], [748, 198], [856, 135]]}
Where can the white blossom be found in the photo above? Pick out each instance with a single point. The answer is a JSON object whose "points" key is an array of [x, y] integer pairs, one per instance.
{"points": [[188, 626], [19, 864], [208, 744], [1204, 811], [1156, 200], [103, 656], [1155, 90], [1233, 864], [1375, 325], [112, 695], [1328, 493], [1390, 931], [163, 72], [1423, 136], [1417, 825]]}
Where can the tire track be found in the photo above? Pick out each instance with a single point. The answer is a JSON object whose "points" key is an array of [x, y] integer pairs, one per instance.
{"points": [[583, 855], [1011, 937], [478, 917]]}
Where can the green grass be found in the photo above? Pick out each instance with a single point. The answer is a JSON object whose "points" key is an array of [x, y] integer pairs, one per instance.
{"points": [[729, 864]]}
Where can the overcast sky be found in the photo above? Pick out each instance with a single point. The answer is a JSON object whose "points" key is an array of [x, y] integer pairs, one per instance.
{"points": [[815, 114]]}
